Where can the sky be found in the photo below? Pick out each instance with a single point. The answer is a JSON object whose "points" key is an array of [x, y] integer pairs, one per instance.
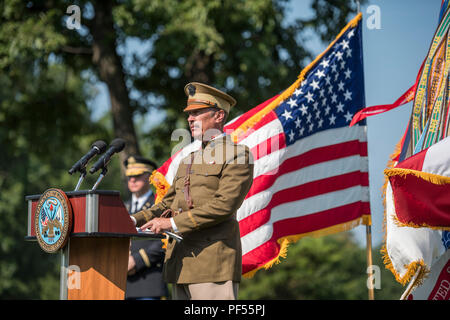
{"points": [[396, 38]]}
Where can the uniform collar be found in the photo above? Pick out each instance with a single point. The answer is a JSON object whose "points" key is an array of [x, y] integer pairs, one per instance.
{"points": [[142, 199], [213, 141]]}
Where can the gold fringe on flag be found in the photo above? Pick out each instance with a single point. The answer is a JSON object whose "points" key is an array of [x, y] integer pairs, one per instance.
{"points": [[413, 266], [398, 223], [161, 186], [433, 178], [430, 177], [160, 183]]}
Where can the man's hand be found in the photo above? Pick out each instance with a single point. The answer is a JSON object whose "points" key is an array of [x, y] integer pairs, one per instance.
{"points": [[158, 225]]}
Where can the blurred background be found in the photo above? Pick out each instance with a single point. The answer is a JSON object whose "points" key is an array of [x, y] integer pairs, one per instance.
{"points": [[73, 72]]}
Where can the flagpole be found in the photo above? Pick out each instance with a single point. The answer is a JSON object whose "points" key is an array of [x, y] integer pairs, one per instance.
{"points": [[369, 224], [411, 284], [369, 257], [369, 230]]}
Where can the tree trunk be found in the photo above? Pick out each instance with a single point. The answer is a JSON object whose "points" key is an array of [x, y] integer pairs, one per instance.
{"points": [[110, 70], [198, 68]]}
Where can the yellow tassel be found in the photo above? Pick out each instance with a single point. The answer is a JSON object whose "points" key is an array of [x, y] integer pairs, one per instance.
{"points": [[160, 183], [384, 253], [398, 223], [161, 187], [282, 254], [433, 178], [165, 241], [411, 269]]}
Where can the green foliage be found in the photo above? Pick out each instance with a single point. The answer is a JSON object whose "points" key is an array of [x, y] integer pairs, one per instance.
{"points": [[40, 140], [44, 126]]}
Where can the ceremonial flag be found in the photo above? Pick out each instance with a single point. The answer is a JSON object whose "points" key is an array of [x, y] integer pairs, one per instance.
{"points": [[415, 192], [408, 251], [417, 195], [311, 168], [421, 187], [430, 114]]}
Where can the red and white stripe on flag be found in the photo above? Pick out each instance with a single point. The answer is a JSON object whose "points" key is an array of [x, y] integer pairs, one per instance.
{"points": [[421, 187], [310, 167]]}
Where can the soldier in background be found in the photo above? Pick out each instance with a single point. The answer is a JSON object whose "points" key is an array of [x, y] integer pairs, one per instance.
{"points": [[146, 258]]}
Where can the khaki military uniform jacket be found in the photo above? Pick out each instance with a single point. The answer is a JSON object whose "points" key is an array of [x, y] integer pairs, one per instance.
{"points": [[220, 177]]}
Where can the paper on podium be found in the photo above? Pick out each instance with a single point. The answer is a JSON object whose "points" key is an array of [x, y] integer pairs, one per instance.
{"points": [[170, 234]]}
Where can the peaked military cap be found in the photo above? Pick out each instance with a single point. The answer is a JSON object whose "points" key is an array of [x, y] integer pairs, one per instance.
{"points": [[136, 165], [203, 96]]}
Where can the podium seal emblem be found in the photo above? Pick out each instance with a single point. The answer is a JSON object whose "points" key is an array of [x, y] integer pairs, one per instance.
{"points": [[53, 220]]}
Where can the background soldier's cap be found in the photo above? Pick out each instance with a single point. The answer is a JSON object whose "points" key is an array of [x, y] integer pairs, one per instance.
{"points": [[203, 96], [136, 165]]}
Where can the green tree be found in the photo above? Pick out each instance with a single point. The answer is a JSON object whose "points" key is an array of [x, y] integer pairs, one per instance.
{"points": [[40, 136], [48, 73], [44, 125], [245, 47]]}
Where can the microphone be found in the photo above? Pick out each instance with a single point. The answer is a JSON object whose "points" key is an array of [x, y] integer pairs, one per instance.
{"points": [[116, 145], [98, 147]]}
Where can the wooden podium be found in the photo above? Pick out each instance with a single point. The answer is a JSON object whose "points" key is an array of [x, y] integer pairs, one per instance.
{"points": [[94, 261]]}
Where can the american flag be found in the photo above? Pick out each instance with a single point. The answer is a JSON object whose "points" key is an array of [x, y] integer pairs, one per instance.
{"points": [[44, 220], [311, 168]]}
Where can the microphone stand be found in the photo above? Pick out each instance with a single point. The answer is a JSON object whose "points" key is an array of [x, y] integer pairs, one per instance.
{"points": [[80, 180], [100, 178]]}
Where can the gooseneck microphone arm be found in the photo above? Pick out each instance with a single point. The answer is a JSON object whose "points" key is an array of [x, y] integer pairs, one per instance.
{"points": [[100, 178], [80, 180]]}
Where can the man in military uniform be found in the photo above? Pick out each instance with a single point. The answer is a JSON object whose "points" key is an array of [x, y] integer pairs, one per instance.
{"points": [[201, 205], [146, 258]]}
